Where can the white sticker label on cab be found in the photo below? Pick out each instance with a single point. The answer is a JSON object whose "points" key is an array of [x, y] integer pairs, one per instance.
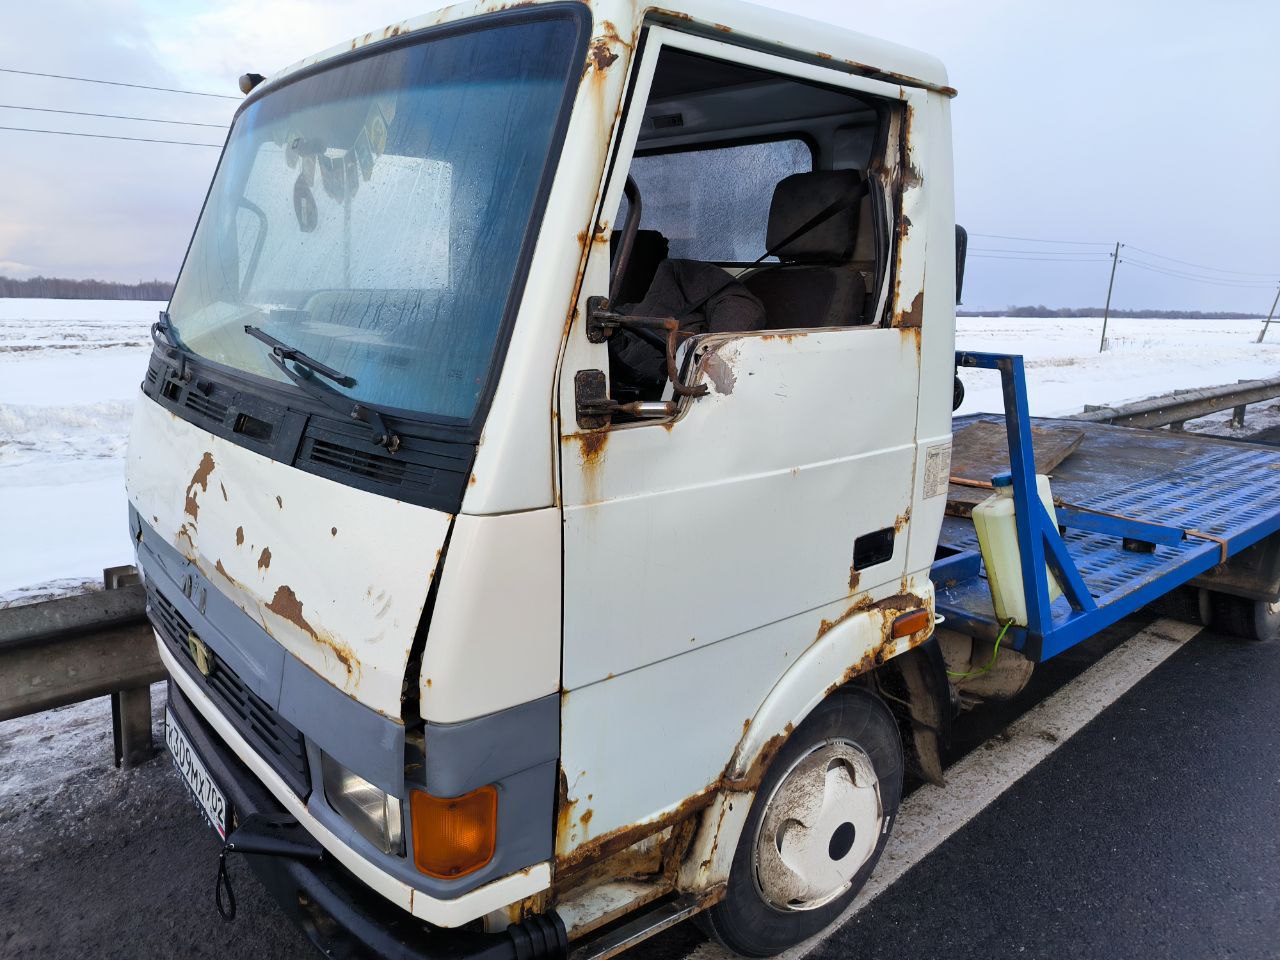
{"points": [[937, 470]]}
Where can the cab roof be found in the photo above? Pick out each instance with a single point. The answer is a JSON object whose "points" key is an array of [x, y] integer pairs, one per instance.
{"points": [[735, 20]]}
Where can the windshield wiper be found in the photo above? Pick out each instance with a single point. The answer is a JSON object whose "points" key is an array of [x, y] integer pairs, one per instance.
{"points": [[286, 352], [163, 328], [306, 382]]}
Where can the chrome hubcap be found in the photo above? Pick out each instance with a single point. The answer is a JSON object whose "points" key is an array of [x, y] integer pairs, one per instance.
{"points": [[820, 827]]}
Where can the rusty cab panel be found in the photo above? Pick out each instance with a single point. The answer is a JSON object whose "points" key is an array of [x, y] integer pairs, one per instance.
{"points": [[749, 480]]}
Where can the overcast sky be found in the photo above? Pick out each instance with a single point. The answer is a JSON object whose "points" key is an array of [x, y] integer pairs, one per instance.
{"points": [[1152, 123]]}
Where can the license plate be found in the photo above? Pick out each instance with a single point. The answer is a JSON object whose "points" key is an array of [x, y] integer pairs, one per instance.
{"points": [[206, 792]]}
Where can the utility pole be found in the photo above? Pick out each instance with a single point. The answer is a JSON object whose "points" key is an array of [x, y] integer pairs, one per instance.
{"points": [[1106, 313], [1270, 313]]}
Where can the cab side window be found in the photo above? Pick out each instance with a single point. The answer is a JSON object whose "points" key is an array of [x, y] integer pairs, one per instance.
{"points": [[752, 204], [711, 202]]}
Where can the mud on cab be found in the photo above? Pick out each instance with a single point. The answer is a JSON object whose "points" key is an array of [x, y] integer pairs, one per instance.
{"points": [[539, 469]]}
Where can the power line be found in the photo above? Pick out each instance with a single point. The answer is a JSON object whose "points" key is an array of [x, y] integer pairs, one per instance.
{"points": [[1187, 274], [117, 83], [1076, 243], [112, 116], [106, 136], [1241, 273], [989, 256], [1238, 284], [1041, 253]]}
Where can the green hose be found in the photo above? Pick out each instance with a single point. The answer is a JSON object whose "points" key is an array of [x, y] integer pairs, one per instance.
{"points": [[995, 655]]}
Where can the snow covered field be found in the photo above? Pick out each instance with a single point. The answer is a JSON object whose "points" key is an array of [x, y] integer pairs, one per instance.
{"points": [[69, 370], [68, 373], [1144, 358]]}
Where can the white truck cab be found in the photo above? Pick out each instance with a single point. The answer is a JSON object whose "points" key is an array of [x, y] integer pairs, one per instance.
{"points": [[538, 472]]}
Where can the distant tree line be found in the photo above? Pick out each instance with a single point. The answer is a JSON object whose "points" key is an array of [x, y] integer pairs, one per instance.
{"points": [[61, 289], [1078, 312]]}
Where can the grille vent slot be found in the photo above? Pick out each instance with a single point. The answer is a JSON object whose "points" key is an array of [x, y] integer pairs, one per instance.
{"points": [[276, 740], [368, 465], [205, 406]]}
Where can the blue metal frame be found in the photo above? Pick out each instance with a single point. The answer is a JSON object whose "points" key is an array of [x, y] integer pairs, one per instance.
{"points": [[1053, 627]]}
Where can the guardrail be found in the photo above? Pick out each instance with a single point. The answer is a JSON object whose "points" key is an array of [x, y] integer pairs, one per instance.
{"points": [[1175, 409], [63, 651], [58, 652]]}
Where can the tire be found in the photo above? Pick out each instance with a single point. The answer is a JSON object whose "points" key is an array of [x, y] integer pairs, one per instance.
{"points": [[1245, 618], [842, 768], [1188, 604]]}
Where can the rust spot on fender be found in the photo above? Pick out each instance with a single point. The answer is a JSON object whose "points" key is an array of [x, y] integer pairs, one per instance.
{"points": [[913, 316], [279, 503], [614, 841], [198, 479], [264, 561], [286, 605], [333, 531], [901, 521], [899, 601], [854, 578], [223, 570], [760, 765], [239, 536]]}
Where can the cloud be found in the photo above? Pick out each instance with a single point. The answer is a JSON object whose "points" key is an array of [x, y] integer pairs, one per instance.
{"points": [[1095, 120]]}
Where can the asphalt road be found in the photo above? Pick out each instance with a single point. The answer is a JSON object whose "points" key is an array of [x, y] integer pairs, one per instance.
{"points": [[1153, 832]]}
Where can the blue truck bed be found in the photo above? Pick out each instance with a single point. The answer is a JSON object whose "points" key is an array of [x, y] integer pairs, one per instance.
{"points": [[1143, 512]]}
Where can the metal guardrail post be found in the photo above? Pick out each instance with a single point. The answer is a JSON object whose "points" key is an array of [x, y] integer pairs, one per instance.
{"points": [[130, 707], [1176, 409], [71, 649]]}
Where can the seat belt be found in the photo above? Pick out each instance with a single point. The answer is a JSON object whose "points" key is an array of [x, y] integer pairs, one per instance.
{"points": [[822, 216]]}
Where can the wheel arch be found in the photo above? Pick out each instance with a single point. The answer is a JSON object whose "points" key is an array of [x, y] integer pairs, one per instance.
{"points": [[857, 649]]}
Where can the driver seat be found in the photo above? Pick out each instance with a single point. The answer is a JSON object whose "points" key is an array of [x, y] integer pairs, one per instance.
{"points": [[816, 283]]}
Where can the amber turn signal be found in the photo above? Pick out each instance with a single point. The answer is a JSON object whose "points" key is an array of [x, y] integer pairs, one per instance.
{"points": [[454, 836], [909, 623]]}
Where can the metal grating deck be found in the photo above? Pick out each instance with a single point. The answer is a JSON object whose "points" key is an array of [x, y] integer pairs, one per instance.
{"points": [[1221, 487]]}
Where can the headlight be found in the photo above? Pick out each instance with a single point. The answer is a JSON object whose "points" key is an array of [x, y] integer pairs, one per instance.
{"points": [[375, 816]]}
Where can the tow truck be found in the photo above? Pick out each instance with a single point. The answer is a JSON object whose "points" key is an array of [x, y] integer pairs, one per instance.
{"points": [[543, 483]]}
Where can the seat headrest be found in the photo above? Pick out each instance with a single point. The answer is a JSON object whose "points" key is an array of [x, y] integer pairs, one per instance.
{"points": [[801, 197]]}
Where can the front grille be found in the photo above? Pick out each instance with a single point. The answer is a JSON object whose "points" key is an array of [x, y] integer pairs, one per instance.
{"points": [[205, 406], [358, 462], [275, 739]]}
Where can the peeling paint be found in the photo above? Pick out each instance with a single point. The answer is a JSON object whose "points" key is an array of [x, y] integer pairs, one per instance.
{"points": [[285, 604], [264, 559], [199, 479], [239, 536], [913, 316], [720, 373]]}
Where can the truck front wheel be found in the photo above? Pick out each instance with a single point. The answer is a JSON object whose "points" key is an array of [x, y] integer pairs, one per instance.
{"points": [[817, 826]]}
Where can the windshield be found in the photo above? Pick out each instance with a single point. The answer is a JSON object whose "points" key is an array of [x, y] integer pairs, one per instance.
{"points": [[373, 215]]}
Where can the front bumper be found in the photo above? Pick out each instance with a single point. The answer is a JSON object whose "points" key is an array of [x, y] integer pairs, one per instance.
{"points": [[338, 913]]}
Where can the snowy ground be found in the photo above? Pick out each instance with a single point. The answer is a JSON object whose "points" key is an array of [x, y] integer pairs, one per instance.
{"points": [[69, 370], [1144, 358]]}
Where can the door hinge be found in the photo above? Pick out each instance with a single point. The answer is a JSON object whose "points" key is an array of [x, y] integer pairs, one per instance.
{"points": [[595, 410], [591, 396]]}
